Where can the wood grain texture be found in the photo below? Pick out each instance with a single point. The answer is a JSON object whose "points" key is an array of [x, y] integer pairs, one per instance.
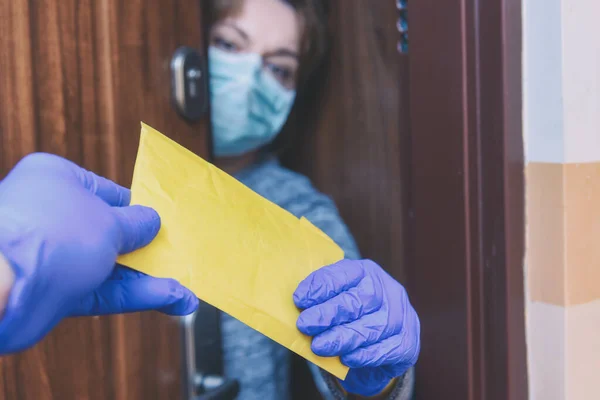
{"points": [[76, 78], [467, 198]]}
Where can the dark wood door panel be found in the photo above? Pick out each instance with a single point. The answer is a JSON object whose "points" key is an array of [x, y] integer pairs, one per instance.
{"points": [[76, 79], [467, 198]]}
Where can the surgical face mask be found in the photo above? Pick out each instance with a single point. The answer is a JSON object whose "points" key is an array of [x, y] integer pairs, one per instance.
{"points": [[248, 105]]}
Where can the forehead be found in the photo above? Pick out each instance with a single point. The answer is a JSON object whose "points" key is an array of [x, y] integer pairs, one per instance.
{"points": [[269, 24]]}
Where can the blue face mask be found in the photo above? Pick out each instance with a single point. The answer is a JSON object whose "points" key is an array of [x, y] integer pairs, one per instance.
{"points": [[248, 105]]}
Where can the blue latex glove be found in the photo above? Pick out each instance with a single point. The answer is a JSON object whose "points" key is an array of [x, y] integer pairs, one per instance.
{"points": [[355, 310], [61, 229]]}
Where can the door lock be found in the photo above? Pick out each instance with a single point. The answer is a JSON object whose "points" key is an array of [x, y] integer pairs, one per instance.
{"points": [[189, 81]]}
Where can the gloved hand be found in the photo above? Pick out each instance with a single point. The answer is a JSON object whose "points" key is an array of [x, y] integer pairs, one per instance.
{"points": [[61, 229], [127, 291], [355, 310]]}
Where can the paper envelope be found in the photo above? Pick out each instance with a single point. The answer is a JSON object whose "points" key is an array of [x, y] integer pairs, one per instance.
{"points": [[233, 248]]}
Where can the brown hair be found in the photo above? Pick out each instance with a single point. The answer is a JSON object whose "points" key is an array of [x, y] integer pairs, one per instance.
{"points": [[313, 66]]}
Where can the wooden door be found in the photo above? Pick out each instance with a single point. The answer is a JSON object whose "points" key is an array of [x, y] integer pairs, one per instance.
{"points": [[466, 198], [76, 79], [423, 154]]}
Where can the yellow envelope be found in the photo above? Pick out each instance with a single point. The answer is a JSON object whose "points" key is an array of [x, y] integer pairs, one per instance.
{"points": [[233, 248]]}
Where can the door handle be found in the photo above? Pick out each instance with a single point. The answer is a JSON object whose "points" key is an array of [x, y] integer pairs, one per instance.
{"points": [[224, 389], [189, 83], [199, 385]]}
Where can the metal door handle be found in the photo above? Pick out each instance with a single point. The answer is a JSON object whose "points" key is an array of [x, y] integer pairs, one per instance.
{"points": [[217, 388], [189, 81], [198, 385]]}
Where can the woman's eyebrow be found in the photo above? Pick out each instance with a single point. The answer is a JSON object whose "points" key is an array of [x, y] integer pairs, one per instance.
{"points": [[283, 53], [239, 30]]}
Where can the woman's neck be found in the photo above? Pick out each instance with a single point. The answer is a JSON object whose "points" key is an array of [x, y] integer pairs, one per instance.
{"points": [[233, 165]]}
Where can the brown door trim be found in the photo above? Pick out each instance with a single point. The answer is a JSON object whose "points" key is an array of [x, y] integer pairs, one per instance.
{"points": [[465, 198]]}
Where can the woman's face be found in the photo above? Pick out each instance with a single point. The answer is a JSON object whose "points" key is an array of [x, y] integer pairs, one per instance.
{"points": [[270, 28]]}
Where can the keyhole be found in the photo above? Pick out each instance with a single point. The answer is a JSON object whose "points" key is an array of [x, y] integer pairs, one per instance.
{"points": [[193, 76]]}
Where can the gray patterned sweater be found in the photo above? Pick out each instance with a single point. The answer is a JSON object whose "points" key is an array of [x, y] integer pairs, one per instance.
{"points": [[261, 365]]}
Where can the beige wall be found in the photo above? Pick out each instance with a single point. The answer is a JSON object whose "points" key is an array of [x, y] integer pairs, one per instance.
{"points": [[561, 85]]}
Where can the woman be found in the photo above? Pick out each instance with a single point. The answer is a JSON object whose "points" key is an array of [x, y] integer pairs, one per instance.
{"points": [[262, 52]]}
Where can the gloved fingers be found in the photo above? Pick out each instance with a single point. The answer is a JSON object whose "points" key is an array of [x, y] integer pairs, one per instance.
{"points": [[138, 226], [117, 297], [399, 350], [343, 339], [185, 306], [366, 382], [346, 307], [328, 282], [121, 272], [53, 165], [113, 194]]}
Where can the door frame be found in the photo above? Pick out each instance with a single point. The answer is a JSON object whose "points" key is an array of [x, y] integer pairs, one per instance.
{"points": [[464, 198]]}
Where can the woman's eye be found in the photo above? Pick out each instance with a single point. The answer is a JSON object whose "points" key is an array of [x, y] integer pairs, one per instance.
{"points": [[283, 74], [224, 44]]}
